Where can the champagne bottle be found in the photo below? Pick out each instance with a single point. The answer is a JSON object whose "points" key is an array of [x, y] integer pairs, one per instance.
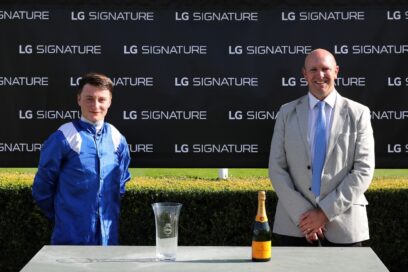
{"points": [[261, 236]]}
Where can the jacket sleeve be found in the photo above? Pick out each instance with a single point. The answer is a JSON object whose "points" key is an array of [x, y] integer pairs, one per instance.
{"points": [[357, 181], [46, 178], [124, 166]]}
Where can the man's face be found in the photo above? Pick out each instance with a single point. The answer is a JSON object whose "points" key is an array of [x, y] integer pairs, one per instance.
{"points": [[320, 71], [94, 102]]}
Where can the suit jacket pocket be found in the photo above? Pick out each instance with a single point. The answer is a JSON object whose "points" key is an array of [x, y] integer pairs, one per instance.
{"points": [[362, 201]]}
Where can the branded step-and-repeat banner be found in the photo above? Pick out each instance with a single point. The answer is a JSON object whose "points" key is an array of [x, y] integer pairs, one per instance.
{"points": [[196, 87]]}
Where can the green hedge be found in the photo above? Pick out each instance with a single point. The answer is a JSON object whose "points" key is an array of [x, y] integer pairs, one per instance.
{"points": [[213, 213]]}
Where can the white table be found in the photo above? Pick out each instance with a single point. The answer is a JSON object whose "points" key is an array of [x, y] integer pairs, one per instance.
{"points": [[208, 259]]}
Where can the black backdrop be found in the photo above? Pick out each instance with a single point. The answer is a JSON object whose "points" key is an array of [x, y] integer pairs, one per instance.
{"points": [[197, 85]]}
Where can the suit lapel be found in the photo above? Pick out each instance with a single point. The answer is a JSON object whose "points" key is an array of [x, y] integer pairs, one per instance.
{"points": [[340, 113], [302, 114]]}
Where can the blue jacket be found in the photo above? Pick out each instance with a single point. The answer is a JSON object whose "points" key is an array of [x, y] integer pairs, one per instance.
{"points": [[80, 180]]}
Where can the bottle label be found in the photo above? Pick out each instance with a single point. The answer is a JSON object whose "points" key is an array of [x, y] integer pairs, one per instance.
{"points": [[261, 250]]}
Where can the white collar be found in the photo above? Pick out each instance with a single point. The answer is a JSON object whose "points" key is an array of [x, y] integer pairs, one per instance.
{"points": [[98, 125], [330, 99]]}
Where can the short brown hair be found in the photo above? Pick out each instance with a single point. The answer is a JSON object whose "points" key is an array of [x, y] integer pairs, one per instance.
{"points": [[97, 80]]}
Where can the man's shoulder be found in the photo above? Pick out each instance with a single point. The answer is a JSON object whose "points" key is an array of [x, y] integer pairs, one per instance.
{"points": [[117, 137], [67, 127], [113, 129], [68, 130], [354, 106], [71, 135], [293, 104]]}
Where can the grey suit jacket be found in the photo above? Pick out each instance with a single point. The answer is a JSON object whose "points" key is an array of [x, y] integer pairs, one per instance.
{"points": [[347, 172]]}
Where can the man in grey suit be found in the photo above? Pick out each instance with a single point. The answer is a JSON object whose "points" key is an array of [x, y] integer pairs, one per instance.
{"points": [[321, 163]]}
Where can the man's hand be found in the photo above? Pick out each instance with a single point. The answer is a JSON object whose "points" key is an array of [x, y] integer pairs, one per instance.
{"points": [[312, 224], [315, 236]]}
